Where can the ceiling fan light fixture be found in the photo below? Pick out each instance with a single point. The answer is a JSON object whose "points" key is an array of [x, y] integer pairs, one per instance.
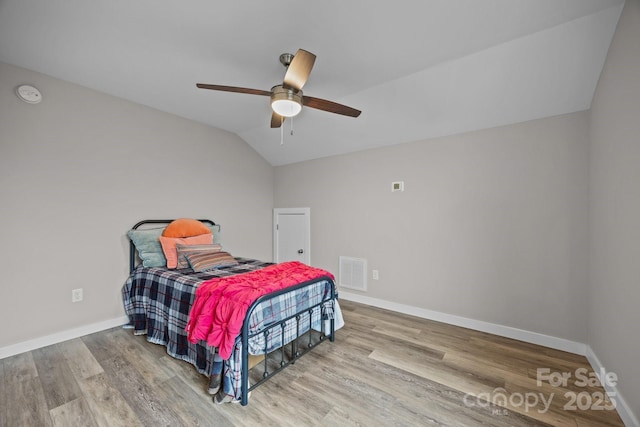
{"points": [[286, 102]]}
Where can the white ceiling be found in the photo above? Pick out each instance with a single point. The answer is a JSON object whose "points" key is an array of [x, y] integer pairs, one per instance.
{"points": [[416, 68]]}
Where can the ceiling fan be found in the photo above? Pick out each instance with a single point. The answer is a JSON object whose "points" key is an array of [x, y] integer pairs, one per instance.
{"points": [[287, 98]]}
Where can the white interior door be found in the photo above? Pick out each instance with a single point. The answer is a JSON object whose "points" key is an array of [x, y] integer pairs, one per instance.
{"points": [[292, 235]]}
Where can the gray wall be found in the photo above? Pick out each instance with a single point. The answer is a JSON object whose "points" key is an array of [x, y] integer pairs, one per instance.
{"points": [[492, 224], [614, 314], [78, 170]]}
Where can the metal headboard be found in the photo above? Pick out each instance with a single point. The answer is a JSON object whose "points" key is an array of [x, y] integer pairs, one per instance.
{"points": [[132, 248]]}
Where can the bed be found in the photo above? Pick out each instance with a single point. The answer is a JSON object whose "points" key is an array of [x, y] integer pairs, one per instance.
{"points": [[279, 326]]}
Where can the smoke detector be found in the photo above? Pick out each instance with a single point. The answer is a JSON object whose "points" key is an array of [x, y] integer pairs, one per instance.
{"points": [[29, 94]]}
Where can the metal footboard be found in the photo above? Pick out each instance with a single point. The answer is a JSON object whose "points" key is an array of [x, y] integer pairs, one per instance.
{"points": [[299, 346]]}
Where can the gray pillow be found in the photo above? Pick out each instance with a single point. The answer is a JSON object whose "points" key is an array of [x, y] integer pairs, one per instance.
{"points": [[147, 243]]}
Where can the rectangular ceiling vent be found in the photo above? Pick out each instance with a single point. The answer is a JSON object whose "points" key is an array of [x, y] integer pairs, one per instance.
{"points": [[353, 273]]}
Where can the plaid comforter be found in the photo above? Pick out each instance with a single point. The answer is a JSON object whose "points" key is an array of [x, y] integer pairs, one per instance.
{"points": [[158, 302]]}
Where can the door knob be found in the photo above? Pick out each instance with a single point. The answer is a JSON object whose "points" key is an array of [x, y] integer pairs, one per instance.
{"points": [[300, 251]]}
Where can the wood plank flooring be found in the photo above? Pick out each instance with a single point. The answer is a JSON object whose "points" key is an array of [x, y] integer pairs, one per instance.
{"points": [[384, 369]]}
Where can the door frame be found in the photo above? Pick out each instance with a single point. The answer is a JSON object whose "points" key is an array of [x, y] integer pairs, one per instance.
{"points": [[292, 211]]}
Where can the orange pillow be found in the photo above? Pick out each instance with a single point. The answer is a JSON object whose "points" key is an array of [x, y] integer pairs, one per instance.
{"points": [[185, 227], [170, 250]]}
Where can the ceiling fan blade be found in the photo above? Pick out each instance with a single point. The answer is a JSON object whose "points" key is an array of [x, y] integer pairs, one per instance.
{"points": [[276, 120], [234, 89], [299, 69], [330, 106]]}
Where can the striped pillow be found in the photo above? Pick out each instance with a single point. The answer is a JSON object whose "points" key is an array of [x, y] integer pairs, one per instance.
{"points": [[169, 246], [203, 261], [184, 250]]}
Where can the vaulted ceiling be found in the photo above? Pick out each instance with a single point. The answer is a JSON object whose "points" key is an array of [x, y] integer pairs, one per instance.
{"points": [[416, 68]]}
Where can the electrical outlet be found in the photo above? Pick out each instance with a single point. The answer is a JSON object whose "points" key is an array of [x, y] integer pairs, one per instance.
{"points": [[374, 275], [76, 295]]}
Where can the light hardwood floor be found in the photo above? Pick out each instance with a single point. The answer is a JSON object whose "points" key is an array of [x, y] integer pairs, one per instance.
{"points": [[384, 369]]}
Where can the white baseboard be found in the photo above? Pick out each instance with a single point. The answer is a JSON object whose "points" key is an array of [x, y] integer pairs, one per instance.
{"points": [[69, 334], [478, 325], [622, 406]]}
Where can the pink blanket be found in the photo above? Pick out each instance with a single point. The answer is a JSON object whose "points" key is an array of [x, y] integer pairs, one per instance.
{"points": [[221, 304]]}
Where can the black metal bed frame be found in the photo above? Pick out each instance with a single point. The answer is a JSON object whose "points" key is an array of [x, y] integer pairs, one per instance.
{"points": [[297, 347]]}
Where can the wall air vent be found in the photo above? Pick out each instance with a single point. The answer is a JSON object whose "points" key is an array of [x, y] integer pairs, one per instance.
{"points": [[353, 273]]}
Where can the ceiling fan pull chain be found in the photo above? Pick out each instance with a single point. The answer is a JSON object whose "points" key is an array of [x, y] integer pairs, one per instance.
{"points": [[291, 126], [282, 131]]}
